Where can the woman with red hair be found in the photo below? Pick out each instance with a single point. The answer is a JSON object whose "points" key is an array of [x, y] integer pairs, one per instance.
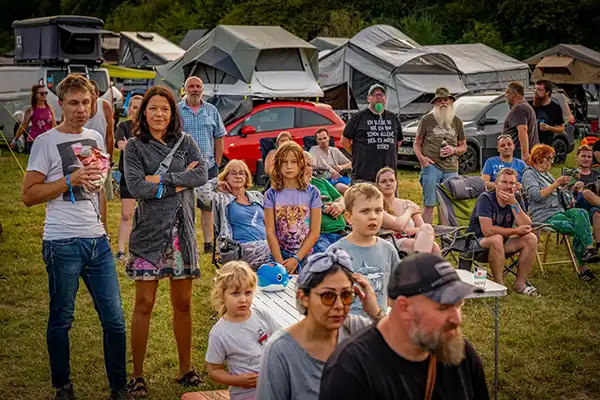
{"points": [[546, 206]]}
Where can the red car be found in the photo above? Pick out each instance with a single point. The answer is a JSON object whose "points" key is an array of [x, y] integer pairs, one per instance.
{"points": [[267, 120]]}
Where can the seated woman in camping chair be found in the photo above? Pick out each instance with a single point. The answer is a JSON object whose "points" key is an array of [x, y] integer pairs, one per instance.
{"points": [[238, 212], [403, 217]]}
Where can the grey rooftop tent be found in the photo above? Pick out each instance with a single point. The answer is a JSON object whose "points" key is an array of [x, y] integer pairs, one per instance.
{"points": [[567, 64], [328, 43], [257, 61], [191, 37], [483, 67], [146, 50], [382, 54]]}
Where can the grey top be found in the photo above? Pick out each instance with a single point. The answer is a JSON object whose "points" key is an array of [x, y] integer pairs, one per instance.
{"points": [[241, 344], [540, 209], [288, 372], [154, 217], [373, 262]]}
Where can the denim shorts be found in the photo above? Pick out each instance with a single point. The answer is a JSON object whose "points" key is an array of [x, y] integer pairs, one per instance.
{"points": [[431, 176], [342, 179]]}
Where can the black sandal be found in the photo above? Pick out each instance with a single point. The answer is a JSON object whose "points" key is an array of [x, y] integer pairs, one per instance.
{"points": [[587, 275], [191, 379], [137, 387]]}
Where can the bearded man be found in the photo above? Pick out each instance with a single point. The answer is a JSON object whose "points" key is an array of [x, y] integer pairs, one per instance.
{"points": [[548, 113], [417, 349], [439, 143]]}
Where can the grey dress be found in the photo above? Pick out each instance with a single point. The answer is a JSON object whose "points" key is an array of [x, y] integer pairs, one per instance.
{"points": [[163, 238]]}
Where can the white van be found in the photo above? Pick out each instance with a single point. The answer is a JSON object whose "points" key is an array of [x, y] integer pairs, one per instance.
{"points": [[15, 90]]}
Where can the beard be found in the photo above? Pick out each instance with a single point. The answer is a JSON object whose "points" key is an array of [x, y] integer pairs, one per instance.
{"points": [[194, 98], [444, 115], [537, 100], [448, 351]]}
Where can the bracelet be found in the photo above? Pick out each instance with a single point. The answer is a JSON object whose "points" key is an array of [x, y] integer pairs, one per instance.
{"points": [[297, 259], [68, 179], [160, 188], [515, 207]]}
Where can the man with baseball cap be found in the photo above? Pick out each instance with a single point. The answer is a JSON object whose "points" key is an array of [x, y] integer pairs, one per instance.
{"points": [[372, 137], [417, 351], [439, 143]]}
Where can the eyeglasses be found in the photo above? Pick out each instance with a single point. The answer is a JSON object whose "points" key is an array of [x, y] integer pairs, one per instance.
{"points": [[378, 95], [329, 298], [237, 173], [42, 93]]}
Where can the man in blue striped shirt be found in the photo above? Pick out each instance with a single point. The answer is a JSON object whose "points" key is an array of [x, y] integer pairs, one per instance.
{"points": [[203, 122]]}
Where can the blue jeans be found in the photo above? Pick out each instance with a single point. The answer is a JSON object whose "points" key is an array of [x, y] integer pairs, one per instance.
{"points": [[431, 176], [92, 260], [342, 179], [325, 240]]}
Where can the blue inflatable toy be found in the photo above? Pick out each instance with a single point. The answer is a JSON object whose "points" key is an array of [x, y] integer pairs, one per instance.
{"points": [[272, 277]]}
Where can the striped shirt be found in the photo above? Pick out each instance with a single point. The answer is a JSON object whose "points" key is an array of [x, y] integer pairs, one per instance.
{"points": [[204, 127]]}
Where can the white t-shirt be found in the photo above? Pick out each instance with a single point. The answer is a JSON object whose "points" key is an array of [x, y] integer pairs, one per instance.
{"points": [[53, 156], [241, 344], [332, 158]]}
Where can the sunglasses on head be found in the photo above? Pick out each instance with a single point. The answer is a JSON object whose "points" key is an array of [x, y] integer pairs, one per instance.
{"points": [[329, 298]]}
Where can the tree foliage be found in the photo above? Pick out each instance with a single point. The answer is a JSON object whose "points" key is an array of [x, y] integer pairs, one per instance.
{"points": [[517, 27]]}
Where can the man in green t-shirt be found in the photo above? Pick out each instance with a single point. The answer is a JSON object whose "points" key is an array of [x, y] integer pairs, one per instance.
{"points": [[439, 143], [332, 222]]}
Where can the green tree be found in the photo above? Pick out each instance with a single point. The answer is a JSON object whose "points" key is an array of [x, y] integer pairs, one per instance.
{"points": [[343, 23], [423, 28]]}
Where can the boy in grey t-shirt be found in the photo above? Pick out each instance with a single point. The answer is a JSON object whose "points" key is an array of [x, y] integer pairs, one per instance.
{"points": [[371, 256]]}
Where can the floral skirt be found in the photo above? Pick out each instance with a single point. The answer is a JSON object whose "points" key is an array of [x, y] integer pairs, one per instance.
{"points": [[171, 264]]}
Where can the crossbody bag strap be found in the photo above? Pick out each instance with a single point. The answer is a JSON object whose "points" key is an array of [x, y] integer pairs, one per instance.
{"points": [[166, 162], [431, 372]]}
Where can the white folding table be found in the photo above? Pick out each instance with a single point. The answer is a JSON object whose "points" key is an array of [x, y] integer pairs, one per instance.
{"points": [[282, 307]]}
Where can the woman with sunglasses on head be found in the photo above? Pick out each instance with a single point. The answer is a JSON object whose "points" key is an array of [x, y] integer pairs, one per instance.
{"points": [[294, 358], [404, 217], [40, 114], [544, 195]]}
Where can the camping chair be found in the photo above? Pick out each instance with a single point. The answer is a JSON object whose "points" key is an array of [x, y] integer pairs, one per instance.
{"points": [[389, 236], [262, 178], [224, 249], [456, 198]]}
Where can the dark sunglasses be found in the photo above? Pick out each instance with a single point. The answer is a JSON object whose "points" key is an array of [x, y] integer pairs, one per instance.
{"points": [[329, 298], [43, 93]]}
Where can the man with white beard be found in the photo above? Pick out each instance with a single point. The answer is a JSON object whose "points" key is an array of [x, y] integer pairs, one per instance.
{"points": [[439, 143], [418, 350], [203, 121]]}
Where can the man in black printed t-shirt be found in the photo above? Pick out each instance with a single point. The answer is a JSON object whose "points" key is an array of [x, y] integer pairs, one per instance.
{"points": [[372, 137], [417, 349], [548, 113]]}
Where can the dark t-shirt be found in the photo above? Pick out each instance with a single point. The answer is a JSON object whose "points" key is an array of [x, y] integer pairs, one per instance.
{"points": [[522, 114], [487, 206], [595, 148], [550, 114], [123, 133], [374, 142], [366, 368], [589, 178]]}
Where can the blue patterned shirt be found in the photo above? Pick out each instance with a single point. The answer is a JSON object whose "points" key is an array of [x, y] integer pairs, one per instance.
{"points": [[204, 127]]}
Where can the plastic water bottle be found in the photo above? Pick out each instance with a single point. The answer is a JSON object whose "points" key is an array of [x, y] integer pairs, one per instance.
{"points": [[479, 278], [444, 144]]}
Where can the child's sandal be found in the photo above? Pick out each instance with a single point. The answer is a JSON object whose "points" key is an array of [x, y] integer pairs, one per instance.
{"points": [[137, 387]]}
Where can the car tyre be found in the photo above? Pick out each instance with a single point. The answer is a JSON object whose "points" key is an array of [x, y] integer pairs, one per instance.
{"points": [[561, 150], [469, 161]]}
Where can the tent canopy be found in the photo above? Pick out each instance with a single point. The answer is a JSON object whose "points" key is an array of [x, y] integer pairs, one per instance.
{"points": [[382, 54], [262, 61], [191, 37], [567, 64], [328, 43], [483, 67], [146, 49]]}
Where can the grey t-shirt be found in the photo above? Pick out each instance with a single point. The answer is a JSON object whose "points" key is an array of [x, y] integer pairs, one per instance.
{"points": [[522, 114], [241, 344], [52, 155], [288, 372], [375, 263]]}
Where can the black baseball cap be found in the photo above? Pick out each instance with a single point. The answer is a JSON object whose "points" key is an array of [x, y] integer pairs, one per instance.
{"points": [[428, 275]]}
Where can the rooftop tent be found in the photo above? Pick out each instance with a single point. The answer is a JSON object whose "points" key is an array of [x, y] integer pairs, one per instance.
{"points": [[328, 43], [191, 37], [146, 50], [483, 67], [382, 54], [567, 64], [58, 39], [257, 61], [110, 47]]}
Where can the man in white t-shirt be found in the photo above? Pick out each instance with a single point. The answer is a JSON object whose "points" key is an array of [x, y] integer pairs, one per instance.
{"points": [[330, 159], [75, 243]]}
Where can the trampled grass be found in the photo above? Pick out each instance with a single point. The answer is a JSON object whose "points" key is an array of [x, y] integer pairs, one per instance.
{"points": [[548, 346]]}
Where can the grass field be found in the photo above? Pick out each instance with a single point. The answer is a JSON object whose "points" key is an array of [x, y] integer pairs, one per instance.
{"points": [[548, 346]]}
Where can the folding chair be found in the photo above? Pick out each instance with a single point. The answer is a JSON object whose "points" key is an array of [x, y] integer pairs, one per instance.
{"points": [[390, 236], [456, 199], [561, 238], [262, 178], [224, 249]]}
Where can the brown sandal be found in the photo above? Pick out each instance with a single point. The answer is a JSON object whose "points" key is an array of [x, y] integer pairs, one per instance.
{"points": [[137, 387], [191, 379]]}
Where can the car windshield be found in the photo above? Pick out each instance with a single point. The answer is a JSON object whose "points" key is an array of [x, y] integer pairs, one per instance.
{"points": [[468, 107]]}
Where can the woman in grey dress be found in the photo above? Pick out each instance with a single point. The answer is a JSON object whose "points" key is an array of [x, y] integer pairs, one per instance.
{"points": [[163, 238]]}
